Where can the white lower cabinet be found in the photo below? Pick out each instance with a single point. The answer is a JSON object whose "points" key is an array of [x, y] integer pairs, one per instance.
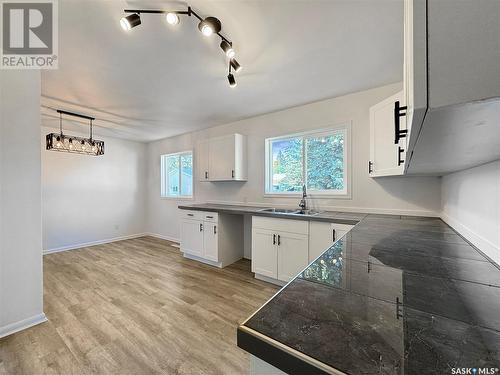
{"points": [[211, 238], [192, 237], [292, 254], [264, 253], [280, 247], [322, 235], [210, 241]]}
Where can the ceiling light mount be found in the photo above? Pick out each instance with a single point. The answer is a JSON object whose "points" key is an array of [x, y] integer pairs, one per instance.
{"points": [[208, 26]]}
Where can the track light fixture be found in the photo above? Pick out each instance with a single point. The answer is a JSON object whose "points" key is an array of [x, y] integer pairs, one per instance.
{"points": [[130, 21], [207, 26], [227, 48], [235, 65], [172, 18]]}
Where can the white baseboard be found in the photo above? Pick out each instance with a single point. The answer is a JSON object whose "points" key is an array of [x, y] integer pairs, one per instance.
{"points": [[93, 243], [9, 329], [161, 236], [483, 244], [366, 210]]}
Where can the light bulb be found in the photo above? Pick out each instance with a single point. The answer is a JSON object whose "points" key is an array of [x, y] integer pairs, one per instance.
{"points": [[125, 24], [172, 18], [207, 30], [228, 49]]}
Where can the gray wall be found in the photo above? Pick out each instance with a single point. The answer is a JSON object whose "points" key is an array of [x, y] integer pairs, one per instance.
{"points": [[401, 195]]}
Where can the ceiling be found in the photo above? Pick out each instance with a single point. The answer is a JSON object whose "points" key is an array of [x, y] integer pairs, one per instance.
{"points": [[158, 80]]}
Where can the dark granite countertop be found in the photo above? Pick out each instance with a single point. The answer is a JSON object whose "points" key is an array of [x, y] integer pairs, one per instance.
{"points": [[328, 216], [396, 295]]}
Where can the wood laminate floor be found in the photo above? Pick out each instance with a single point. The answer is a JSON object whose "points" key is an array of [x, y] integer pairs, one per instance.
{"points": [[136, 307]]}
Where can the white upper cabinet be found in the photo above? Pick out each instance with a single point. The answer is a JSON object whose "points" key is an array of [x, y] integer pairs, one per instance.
{"points": [[202, 160], [451, 86], [223, 159], [386, 152]]}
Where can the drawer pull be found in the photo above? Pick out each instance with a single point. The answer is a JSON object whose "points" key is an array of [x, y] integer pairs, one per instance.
{"points": [[201, 227], [274, 239], [190, 214], [210, 217], [279, 240], [215, 229]]}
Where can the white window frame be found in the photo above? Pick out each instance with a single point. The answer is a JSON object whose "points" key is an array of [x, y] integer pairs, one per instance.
{"points": [[338, 194], [164, 176]]}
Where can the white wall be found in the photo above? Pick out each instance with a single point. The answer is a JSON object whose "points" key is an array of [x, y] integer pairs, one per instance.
{"points": [[21, 289], [87, 199], [471, 205], [407, 195]]}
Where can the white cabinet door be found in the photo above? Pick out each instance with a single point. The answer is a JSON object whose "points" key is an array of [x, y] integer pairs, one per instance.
{"points": [[320, 238], [210, 241], [221, 165], [202, 160], [293, 254], [385, 154], [264, 252], [192, 237]]}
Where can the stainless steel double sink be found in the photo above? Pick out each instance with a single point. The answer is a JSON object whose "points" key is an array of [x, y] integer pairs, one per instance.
{"points": [[284, 211]]}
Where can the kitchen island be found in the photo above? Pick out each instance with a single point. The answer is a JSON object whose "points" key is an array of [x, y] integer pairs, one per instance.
{"points": [[396, 295]]}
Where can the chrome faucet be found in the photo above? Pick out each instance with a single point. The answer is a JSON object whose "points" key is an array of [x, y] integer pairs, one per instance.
{"points": [[303, 202]]}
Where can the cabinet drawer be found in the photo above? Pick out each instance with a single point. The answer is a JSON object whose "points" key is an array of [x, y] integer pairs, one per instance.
{"points": [[210, 216], [195, 215], [281, 225]]}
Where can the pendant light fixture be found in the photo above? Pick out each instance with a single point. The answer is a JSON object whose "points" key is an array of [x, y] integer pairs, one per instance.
{"points": [[78, 145], [208, 26]]}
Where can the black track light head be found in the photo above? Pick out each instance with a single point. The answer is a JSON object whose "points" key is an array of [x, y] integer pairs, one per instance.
{"points": [[232, 81], [227, 48], [130, 21], [209, 26], [235, 65]]}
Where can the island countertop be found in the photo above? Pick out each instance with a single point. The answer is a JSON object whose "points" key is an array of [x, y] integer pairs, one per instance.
{"points": [[396, 295]]}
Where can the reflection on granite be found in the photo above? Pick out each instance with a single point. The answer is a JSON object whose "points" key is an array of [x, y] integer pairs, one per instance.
{"points": [[394, 296]]}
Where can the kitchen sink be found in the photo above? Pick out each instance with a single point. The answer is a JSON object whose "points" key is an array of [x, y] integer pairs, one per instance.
{"points": [[279, 211], [284, 211]]}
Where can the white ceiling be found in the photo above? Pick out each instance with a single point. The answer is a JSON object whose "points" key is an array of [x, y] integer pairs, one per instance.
{"points": [[157, 80]]}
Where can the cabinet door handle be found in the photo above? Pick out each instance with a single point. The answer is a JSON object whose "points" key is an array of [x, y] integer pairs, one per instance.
{"points": [[274, 239], [190, 214], [206, 175], [279, 240], [370, 167], [210, 217], [232, 173], [215, 229], [201, 227], [400, 151], [333, 235], [398, 132]]}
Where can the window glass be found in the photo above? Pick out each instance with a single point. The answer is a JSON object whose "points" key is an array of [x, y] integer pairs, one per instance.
{"points": [[325, 162], [316, 159], [177, 175], [287, 164]]}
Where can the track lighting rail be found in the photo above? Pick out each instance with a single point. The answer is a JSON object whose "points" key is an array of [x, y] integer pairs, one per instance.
{"points": [[188, 12], [207, 26], [75, 114]]}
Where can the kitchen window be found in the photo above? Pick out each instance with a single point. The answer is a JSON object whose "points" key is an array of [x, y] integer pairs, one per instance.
{"points": [[177, 175], [317, 159]]}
